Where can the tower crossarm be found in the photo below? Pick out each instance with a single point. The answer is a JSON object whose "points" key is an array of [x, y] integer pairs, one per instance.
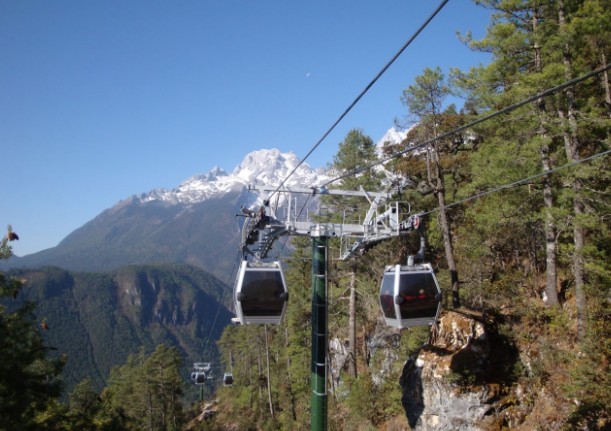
{"points": [[382, 221]]}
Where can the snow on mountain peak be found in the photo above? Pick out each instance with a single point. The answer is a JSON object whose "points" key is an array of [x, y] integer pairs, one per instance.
{"points": [[392, 136], [262, 167], [269, 167]]}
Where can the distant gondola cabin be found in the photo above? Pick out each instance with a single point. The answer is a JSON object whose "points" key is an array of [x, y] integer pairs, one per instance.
{"points": [[228, 379], [410, 296], [201, 372], [199, 377], [260, 293]]}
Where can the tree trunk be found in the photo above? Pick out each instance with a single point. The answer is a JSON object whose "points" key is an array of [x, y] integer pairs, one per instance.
{"points": [[150, 410], [259, 374], [352, 326], [174, 412], [447, 237], [288, 371], [269, 383], [439, 187], [605, 81], [162, 398], [571, 146], [551, 295], [250, 383]]}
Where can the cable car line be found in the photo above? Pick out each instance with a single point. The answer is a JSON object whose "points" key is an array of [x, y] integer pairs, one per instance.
{"points": [[365, 90]]}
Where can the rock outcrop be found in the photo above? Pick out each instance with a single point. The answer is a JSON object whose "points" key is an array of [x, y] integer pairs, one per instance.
{"points": [[455, 381]]}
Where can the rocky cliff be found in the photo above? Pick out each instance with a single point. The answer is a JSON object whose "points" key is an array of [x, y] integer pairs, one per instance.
{"points": [[463, 379]]}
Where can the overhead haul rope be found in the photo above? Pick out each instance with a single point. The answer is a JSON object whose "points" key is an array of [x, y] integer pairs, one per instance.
{"points": [[519, 182], [362, 93], [505, 110], [218, 310]]}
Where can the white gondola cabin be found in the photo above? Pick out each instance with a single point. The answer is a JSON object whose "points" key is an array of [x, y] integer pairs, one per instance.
{"points": [[201, 372], [228, 379], [260, 293], [410, 296]]}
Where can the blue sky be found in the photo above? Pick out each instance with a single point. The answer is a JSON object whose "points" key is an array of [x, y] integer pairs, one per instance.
{"points": [[100, 100]]}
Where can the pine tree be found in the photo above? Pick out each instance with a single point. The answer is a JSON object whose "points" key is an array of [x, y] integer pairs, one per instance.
{"points": [[425, 101], [145, 393], [356, 154], [29, 381]]}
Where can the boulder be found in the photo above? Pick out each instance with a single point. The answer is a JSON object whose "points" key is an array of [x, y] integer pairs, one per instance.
{"points": [[450, 384]]}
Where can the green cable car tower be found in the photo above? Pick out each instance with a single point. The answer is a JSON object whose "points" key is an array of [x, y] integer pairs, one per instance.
{"points": [[263, 280]]}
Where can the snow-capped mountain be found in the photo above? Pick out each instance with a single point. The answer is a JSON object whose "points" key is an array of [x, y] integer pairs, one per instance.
{"points": [[262, 167], [197, 223], [194, 223]]}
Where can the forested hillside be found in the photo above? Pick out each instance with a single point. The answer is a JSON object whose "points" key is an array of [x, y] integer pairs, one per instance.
{"points": [[508, 166], [97, 319]]}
